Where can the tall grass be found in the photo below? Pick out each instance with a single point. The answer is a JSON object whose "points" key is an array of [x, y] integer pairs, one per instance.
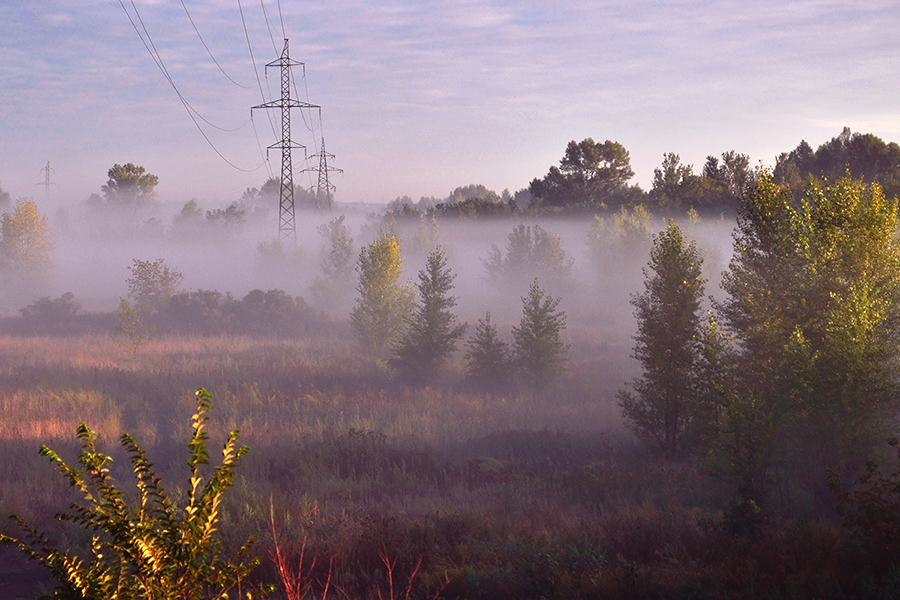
{"points": [[380, 489]]}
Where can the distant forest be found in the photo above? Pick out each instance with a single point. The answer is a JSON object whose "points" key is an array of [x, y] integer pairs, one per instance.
{"points": [[594, 176]]}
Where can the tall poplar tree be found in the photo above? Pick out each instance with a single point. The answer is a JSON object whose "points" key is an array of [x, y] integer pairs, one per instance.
{"points": [[814, 305], [664, 407], [383, 302]]}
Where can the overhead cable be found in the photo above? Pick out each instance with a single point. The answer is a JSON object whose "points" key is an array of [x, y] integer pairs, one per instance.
{"points": [[208, 51], [157, 59]]}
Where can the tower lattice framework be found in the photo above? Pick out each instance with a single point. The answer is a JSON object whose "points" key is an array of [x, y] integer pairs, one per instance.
{"points": [[286, 224], [324, 187]]}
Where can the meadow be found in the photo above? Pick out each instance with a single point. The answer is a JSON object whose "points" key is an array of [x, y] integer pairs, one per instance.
{"points": [[374, 489]]}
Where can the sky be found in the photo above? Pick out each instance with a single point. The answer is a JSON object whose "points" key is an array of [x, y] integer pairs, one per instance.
{"points": [[418, 98]]}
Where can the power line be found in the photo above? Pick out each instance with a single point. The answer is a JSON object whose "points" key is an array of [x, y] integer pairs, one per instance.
{"points": [[281, 18], [259, 145], [208, 51], [266, 17], [157, 59], [262, 94]]}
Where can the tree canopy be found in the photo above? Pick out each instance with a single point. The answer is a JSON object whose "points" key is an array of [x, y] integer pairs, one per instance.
{"points": [[588, 175], [130, 185], [857, 155]]}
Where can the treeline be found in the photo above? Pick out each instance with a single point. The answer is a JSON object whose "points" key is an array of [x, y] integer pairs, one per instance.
{"points": [[594, 176]]}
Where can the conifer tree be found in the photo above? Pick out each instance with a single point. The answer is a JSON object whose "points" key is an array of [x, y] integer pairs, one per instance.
{"points": [[488, 361], [538, 349], [431, 333]]}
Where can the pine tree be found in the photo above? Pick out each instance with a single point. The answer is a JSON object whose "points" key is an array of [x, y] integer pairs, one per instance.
{"points": [[383, 301], [662, 408], [488, 361], [431, 332], [539, 352]]}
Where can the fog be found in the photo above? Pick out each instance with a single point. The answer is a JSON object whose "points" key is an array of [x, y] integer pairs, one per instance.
{"points": [[94, 247]]}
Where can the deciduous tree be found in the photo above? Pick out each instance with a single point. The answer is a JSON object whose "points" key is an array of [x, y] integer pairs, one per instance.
{"points": [[814, 303], [587, 175], [25, 245], [129, 185], [335, 283], [151, 284], [4, 198], [531, 252], [383, 302], [663, 406]]}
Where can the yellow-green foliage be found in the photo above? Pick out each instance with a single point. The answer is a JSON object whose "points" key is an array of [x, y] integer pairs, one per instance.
{"points": [[25, 245], [151, 548], [383, 301]]}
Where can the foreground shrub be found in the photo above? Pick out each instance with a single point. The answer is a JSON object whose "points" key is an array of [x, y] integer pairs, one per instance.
{"points": [[148, 549]]}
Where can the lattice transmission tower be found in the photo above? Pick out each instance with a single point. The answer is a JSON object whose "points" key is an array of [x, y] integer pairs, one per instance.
{"points": [[324, 187], [286, 225], [47, 183]]}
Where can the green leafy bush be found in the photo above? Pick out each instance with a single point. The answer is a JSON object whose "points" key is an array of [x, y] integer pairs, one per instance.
{"points": [[151, 548]]}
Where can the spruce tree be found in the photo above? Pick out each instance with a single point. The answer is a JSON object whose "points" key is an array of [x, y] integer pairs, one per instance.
{"points": [[539, 352], [488, 361], [431, 333]]}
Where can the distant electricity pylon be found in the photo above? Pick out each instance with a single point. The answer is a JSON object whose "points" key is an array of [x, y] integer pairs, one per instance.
{"points": [[286, 226], [324, 188], [47, 183]]}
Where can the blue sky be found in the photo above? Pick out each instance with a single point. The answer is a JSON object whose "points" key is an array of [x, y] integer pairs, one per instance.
{"points": [[420, 97]]}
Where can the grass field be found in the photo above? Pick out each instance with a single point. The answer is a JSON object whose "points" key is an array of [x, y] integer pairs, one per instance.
{"points": [[396, 491]]}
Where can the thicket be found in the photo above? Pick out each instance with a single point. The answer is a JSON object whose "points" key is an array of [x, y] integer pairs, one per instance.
{"points": [[800, 378], [273, 313]]}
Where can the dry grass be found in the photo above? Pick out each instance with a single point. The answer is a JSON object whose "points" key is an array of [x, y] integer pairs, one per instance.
{"points": [[432, 490]]}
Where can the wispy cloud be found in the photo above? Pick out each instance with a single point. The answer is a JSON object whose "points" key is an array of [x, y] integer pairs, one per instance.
{"points": [[422, 82]]}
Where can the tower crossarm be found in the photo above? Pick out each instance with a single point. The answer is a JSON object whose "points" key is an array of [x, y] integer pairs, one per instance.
{"points": [[286, 225]]}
